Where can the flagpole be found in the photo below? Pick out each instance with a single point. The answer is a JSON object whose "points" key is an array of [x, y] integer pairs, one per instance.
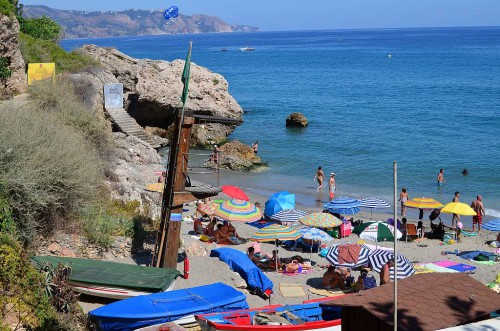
{"points": [[395, 170]]}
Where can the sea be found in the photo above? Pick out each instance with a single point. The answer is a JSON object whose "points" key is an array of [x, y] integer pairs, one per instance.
{"points": [[426, 98]]}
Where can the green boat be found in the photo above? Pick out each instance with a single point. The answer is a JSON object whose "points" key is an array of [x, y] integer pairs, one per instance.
{"points": [[111, 279]]}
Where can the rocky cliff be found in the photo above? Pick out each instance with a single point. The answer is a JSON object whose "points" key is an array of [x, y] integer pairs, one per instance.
{"points": [[152, 91], [17, 83], [84, 24]]}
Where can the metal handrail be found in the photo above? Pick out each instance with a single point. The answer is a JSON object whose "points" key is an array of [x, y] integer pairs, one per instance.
{"points": [[190, 167]]}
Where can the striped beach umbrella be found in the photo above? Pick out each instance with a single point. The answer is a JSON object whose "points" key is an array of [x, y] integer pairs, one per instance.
{"points": [[423, 203], [376, 231], [343, 205], [493, 225], [288, 215], [320, 220], [362, 258], [315, 235], [458, 208], [379, 258], [275, 232], [279, 201], [373, 203], [238, 210]]}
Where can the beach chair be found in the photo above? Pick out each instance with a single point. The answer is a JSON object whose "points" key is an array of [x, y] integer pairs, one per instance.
{"points": [[411, 230]]}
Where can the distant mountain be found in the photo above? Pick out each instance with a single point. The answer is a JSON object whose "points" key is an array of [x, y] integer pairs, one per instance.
{"points": [[134, 22]]}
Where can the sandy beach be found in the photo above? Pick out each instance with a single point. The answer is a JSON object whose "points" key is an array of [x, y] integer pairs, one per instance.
{"points": [[207, 270]]}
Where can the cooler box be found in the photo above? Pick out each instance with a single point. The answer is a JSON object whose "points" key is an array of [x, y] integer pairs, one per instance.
{"points": [[345, 229]]}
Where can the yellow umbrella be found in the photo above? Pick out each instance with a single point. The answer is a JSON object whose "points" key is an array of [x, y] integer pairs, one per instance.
{"points": [[155, 187], [458, 208], [423, 203]]}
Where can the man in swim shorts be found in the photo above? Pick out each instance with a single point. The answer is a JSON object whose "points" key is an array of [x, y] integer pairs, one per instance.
{"points": [[440, 177], [478, 207]]}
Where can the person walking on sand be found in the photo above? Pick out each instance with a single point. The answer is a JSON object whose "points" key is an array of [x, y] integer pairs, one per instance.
{"points": [[478, 207], [320, 176], [440, 177], [403, 197], [331, 187], [456, 217], [255, 147]]}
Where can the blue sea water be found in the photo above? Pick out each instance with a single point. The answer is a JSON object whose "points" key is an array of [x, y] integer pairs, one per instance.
{"points": [[433, 103]]}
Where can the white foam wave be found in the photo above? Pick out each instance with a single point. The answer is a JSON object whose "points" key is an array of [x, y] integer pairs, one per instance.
{"points": [[492, 212]]}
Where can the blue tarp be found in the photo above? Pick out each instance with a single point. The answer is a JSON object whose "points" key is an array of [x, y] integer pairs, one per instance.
{"points": [[146, 310], [241, 263], [470, 255]]}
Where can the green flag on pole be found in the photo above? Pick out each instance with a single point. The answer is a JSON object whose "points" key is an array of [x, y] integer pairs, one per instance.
{"points": [[185, 75]]}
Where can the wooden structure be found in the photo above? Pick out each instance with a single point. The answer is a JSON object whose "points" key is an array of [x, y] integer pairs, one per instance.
{"points": [[430, 301]]}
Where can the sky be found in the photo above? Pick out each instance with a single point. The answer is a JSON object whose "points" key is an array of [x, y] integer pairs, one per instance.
{"points": [[282, 15]]}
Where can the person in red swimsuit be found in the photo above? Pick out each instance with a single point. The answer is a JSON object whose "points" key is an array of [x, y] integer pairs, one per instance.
{"points": [[478, 207]]}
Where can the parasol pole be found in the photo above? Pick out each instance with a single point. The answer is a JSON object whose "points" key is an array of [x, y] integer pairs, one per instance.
{"points": [[277, 256], [395, 170]]}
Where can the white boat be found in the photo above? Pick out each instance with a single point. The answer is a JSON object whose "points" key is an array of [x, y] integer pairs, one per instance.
{"points": [[247, 49]]}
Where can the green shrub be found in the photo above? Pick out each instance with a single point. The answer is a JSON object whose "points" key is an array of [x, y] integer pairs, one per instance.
{"points": [[71, 108], [100, 227], [5, 71], [46, 167], [7, 7], [7, 224], [43, 28], [36, 50]]}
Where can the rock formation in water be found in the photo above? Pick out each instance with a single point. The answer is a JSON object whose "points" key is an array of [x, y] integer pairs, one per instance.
{"points": [[237, 156], [296, 120], [17, 82]]}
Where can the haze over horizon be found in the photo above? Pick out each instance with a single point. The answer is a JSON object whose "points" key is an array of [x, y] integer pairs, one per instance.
{"points": [[282, 15]]}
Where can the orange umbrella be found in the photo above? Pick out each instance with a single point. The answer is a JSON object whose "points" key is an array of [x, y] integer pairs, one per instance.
{"points": [[423, 203]]}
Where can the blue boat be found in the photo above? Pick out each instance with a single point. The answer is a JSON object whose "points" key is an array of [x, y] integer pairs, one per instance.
{"points": [[179, 306]]}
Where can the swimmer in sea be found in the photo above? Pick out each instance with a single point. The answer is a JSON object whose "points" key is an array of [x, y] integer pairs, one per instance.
{"points": [[440, 177]]}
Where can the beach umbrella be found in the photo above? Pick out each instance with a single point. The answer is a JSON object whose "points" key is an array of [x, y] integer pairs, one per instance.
{"points": [[288, 215], [362, 259], [274, 233], [423, 203], [376, 231], [235, 192], [373, 203], [155, 187], [493, 225], [379, 258], [207, 208], [238, 210], [320, 220], [458, 208], [343, 205], [278, 202], [314, 234]]}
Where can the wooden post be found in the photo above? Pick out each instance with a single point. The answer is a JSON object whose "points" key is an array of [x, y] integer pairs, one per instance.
{"points": [[176, 182]]}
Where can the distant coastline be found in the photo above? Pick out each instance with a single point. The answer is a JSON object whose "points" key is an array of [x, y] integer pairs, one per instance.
{"points": [[133, 22]]}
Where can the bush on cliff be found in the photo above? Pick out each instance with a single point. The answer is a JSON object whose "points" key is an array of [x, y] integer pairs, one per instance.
{"points": [[7, 7], [47, 168]]}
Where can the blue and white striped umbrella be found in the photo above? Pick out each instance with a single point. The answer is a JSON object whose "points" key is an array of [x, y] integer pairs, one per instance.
{"points": [[288, 215], [343, 205], [315, 234], [379, 258], [373, 203], [363, 258], [493, 225]]}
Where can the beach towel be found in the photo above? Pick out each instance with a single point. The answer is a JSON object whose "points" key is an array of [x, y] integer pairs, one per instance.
{"points": [[349, 253], [327, 293], [303, 271], [259, 224], [470, 255], [421, 269], [436, 268], [460, 267], [468, 234], [292, 290]]}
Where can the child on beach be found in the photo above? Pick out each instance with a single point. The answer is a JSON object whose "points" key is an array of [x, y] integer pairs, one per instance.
{"points": [[331, 187]]}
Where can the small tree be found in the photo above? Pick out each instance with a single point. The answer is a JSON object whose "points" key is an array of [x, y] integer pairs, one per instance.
{"points": [[41, 28]]}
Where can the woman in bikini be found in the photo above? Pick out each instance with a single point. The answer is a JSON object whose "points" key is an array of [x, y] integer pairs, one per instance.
{"points": [[320, 176], [403, 197]]}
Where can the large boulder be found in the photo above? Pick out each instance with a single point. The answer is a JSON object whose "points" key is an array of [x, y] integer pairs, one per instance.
{"points": [[17, 83], [237, 156], [296, 120], [152, 90]]}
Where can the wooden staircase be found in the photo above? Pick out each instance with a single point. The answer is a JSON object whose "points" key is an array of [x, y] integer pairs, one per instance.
{"points": [[128, 124]]}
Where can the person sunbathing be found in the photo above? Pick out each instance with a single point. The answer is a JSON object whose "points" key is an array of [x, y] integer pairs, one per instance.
{"points": [[296, 267], [223, 236], [210, 229], [255, 259], [335, 277], [365, 281]]}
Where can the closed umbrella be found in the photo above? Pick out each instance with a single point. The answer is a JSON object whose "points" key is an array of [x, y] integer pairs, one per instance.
{"points": [[458, 208], [288, 215], [238, 210], [377, 231], [320, 220], [361, 259], [423, 203], [314, 234], [235, 192], [493, 225], [379, 258], [343, 205], [274, 233], [373, 203], [278, 202]]}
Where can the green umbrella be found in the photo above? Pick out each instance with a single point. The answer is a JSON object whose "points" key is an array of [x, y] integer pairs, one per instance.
{"points": [[376, 231]]}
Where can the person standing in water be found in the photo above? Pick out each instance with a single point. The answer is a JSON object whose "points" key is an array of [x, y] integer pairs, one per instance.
{"points": [[478, 207], [440, 177], [320, 177], [255, 147], [456, 217], [403, 197], [331, 187]]}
